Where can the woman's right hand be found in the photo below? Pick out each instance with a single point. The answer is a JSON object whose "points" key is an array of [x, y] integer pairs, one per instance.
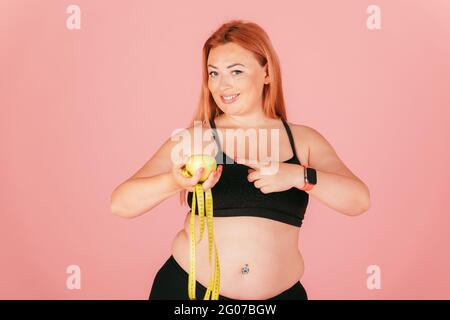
{"points": [[188, 183]]}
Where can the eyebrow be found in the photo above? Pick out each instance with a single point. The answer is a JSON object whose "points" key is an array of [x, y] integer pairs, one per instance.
{"points": [[230, 66]]}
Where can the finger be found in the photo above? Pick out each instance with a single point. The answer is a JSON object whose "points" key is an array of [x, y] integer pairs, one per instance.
{"points": [[209, 181], [253, 176], [260, 183], [217, 174], [248, 162], [213, 178], [266, 189], [196, 177], [206, 186]]}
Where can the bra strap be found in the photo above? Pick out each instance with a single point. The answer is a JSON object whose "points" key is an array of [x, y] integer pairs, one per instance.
{"points": [[216, 138], [212, 123], [291, 139]]}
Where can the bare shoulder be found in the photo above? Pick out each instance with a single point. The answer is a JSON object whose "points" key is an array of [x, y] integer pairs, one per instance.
{"points": [[299, 130], [300, 134], [321, 155], [307, 134]]}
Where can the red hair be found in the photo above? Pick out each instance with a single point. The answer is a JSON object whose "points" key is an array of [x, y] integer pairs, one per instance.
{"points": [[251, 37]]}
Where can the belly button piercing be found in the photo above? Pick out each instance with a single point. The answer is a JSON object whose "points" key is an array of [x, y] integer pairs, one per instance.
{"points": [[245, 269]]}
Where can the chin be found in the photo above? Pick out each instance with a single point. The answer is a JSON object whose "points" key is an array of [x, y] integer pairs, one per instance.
{"points": [[230, 111]]}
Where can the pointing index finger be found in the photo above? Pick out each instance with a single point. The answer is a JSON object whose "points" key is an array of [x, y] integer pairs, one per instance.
{"points": [[249, 163]]}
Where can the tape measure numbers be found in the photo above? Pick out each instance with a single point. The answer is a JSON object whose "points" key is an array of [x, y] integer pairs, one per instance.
{"points": [[200, 197]]}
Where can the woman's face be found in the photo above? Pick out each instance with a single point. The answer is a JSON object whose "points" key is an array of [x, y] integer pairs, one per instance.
{"points": [[234, 70]]}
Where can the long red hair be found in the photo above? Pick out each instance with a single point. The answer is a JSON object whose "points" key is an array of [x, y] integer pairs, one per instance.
{"points": [[251, 37]]}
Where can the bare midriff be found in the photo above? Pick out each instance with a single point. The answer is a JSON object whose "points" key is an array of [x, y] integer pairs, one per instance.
{"points": [[268, 247]]}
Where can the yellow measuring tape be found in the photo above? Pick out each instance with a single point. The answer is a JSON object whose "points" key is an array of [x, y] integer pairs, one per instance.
{"points": [[214, 281], [200, 197]]}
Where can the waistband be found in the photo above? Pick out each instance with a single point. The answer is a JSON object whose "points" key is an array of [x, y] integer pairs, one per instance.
{"points": [[172, 261]]}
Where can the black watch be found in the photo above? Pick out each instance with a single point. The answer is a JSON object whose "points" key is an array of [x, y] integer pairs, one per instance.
{"points": [[310, 178]]}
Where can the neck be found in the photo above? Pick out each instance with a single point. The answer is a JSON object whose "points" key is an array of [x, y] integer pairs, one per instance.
{"points": [[256, 118]]}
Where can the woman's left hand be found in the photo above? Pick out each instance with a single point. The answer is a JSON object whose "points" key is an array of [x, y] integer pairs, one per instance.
{"points": [[274, 177]]}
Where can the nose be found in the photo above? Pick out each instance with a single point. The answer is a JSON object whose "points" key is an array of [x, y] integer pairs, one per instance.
{"points": [[225, 83]]}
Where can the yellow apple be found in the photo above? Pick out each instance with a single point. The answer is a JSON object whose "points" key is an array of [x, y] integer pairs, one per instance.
{"points": [[196, 161]]}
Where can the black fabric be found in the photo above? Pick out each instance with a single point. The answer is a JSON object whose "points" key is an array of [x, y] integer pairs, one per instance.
{"points": [[171, 283], [234, 195]]}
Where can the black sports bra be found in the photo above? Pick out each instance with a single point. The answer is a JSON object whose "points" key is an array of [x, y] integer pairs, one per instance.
{"points": [[234, 195]]}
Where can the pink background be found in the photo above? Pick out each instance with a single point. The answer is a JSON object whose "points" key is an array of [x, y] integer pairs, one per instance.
{"points": [[82, 110]]}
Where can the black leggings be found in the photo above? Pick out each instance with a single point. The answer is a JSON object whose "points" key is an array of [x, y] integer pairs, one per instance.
{"points": [[171, 283]]}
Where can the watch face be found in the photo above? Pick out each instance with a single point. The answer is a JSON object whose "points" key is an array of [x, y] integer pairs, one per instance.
{"points": [[311, 175]]}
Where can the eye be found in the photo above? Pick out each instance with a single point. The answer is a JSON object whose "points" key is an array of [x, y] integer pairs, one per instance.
{"points": [[238, 72]]}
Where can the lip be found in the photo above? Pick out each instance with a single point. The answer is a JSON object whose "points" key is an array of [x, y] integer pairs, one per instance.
{"points": [[235, 99], [229, 94]]}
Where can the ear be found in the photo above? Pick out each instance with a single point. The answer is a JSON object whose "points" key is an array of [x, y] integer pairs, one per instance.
{"points": [[266, 78]]}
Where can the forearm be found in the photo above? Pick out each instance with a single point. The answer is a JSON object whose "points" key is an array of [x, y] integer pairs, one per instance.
{"points": [[344, 194], [137, 196]]}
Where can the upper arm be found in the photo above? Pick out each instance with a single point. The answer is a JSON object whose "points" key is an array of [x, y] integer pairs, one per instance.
{"points": [[323, 157], [158, 163], [161, 161], [170, 152]]}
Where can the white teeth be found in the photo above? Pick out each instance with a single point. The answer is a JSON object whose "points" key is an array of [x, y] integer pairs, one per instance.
{"points": [[229, 97]]}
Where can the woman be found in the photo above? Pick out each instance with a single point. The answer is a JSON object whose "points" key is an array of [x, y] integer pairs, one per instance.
{"points": [[257, 217]]}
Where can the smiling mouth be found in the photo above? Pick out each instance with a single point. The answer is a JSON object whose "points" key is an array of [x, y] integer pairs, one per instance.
{"points": [[230, 98]]}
